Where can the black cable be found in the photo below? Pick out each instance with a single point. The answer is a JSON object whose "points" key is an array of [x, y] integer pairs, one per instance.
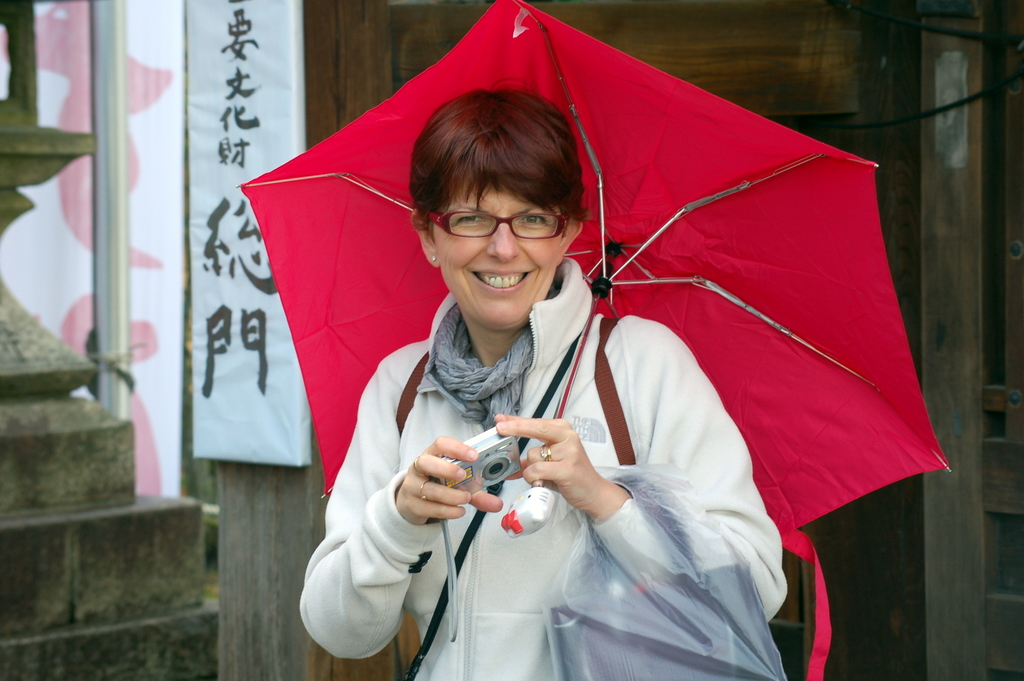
{"points": [[924, 114], [474, 525], [442, 601], [1002, 38]]}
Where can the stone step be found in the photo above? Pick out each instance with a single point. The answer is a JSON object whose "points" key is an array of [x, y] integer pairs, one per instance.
{"points": [[100, 565], [180, 646], [63, 452]]}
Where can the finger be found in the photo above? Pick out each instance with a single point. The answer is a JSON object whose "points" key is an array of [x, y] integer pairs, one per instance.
{"points": [[430, 510], [540, 454], [436, 492], [433, 464], [426, 467], [546, 430], [542, 469], [452, 448], [485, 501], [425, 500], [537, 467]]}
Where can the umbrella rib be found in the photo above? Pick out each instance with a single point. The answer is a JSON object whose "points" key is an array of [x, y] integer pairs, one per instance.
{"points": [[699, 203], [700, 281], [370, 188], [591, 153], [734, 299], [650, 275], [287, 179], [344, 176]]}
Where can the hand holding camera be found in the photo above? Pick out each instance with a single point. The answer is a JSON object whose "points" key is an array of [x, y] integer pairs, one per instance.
{"points": [[567, 468], [427, 492], [497, 459]]}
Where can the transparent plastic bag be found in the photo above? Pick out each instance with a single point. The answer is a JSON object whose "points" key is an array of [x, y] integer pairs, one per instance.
{"points": [[663, 596]]}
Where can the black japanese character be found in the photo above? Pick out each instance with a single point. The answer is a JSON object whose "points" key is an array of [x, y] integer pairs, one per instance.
{"points": [[242, 123], [239, 30], [254, 337], [239, 157], [232, 153], [218, 338], [215, 245], [224, 151], [235, 83]]}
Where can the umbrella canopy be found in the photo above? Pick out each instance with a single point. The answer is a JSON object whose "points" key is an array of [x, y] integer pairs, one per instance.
{"points": [[769, 257]]}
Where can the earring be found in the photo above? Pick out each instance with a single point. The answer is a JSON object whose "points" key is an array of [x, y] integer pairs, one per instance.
{"points": [[433, 258]]}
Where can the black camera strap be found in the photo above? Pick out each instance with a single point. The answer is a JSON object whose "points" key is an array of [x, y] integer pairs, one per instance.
{"points": [[474, 525]]}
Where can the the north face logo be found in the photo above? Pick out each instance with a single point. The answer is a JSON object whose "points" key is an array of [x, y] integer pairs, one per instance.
{"points": [[589, 430]]}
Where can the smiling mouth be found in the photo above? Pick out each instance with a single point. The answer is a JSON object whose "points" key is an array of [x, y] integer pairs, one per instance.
{"points": [[507, 281]]}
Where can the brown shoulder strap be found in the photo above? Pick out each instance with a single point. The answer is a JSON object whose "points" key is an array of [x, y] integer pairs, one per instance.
{"points": [[409, 394], [610, 402]]}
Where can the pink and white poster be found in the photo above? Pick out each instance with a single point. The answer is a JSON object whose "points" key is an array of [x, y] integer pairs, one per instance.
{"points": [[46, 255]]}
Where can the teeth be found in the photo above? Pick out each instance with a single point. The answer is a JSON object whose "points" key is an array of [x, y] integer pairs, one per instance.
{"points": [[501, 282]]}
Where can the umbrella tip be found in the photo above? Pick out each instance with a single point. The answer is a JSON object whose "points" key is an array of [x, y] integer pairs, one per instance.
{"points": [[601, 287]]}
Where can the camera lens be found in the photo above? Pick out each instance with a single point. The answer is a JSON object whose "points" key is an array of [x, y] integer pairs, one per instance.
{"points": [[496, 468]]}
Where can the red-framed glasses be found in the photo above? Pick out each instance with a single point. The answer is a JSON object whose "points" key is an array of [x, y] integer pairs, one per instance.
{"points": [[475, 224]]}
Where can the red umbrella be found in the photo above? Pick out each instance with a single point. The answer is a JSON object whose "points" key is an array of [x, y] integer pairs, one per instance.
{"points": [[768, 257]]}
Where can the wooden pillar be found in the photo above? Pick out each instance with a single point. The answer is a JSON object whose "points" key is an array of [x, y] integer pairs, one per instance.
{"points": [[952, 307], [271, 519], [348, 71]]}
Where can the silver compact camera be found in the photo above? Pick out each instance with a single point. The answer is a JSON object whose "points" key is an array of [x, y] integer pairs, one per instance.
{"points": [[498, 459]]}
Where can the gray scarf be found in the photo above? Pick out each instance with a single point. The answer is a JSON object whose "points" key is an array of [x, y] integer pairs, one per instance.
{"points": [[477, 392]]}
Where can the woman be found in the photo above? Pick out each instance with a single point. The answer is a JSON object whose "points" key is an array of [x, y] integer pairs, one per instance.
{"points": [[498, 199]]}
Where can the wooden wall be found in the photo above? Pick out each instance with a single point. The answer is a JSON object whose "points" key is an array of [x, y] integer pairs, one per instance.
{"points": [[1002, 456], [951, 311], [872, 550], [775, 57]]}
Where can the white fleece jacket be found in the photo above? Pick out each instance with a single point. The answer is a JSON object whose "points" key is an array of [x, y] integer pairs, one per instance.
{"points": [[358, 580]]}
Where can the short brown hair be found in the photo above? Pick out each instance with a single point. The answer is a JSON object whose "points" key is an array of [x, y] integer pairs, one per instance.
{"points": [[510, 140]]}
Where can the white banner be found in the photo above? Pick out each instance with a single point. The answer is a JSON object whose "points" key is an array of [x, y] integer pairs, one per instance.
{"points": [[46, 255], [245, 117]]}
